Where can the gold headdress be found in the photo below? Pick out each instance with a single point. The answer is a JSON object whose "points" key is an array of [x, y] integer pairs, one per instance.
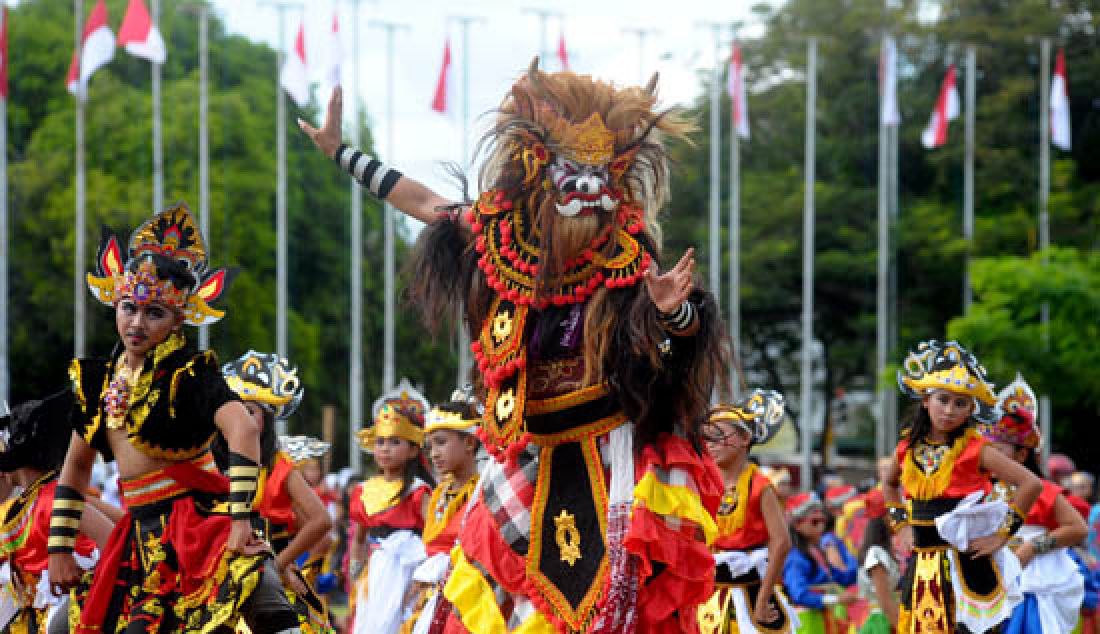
{"points": [[948, 366], [172, 236], [267, 379], [397, 414], [450, 418], [760, 413]]}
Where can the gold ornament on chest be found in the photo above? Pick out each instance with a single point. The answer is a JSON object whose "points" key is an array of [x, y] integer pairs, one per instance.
{"points": [[568, 537]]}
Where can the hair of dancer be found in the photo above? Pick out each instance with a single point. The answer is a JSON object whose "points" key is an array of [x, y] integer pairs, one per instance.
{"points": [[580, 343], [943, 466], [184, 553], [388, 512], [1054, 587], [753, 540]]}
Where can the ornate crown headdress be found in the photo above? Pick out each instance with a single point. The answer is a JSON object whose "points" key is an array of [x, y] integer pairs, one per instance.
{"points": [[398, 413], [948, 366], [268, 379], [760, 413], [439, 418], [1018, 424], [171, 234]]}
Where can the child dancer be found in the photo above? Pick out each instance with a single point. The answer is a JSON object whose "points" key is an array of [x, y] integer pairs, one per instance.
{"points": [[953, 582], [388, 510], [1052, 585], [816, 572], [752, 539]]}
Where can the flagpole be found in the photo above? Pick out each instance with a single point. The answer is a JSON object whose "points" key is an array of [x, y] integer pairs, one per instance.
{"points": [[464, 361], [158, 146], [543, 15], [806, 381], [281, 261], [642, 34], [203, 13], [881, 442], [388, 353], [892, 314], [355, 355], [5, 375], [714, 256], [735, 238], [78, 228], [1044, 224], [968, 175]]}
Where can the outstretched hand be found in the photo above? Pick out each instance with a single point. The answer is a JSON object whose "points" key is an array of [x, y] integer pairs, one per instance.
{"points": [[327, 139], [669, 290]]}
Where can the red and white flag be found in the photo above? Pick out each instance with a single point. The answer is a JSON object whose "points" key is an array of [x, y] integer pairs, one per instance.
{"points": [[947, 109], [97, 48], [139, 35], [331, 73], [3, 52], [736, 90], [1059, 104], [294, 76], [439, 101], [888, 82], [563, 53]]}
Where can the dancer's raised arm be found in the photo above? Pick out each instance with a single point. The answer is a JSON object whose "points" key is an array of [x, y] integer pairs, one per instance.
{"points": [[381, 180]]}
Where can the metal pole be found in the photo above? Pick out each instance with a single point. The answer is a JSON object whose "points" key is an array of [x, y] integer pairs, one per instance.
{"points": [[642, 34], [5, 376], [968, 176], [388, 353], [78, 260], [355, 360], [1045, 422], [158, 144], [204, 142], [882, 290], [715, 229], [543, 16], [464, 360], [735, 257], [893, 312], [282, 303], [806, 382]]}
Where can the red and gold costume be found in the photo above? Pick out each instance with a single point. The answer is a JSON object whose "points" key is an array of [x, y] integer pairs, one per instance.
{"points": [[945, 590], [166, 567], [595, 514]]}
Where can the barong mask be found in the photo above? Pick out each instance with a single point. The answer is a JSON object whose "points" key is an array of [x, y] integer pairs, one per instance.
{"points": [[165, 263], [267, 379], [948, 366]]}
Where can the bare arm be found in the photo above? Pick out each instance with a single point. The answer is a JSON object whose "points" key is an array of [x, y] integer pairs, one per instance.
{"points": [[406, 194], [779, 544], [1005, 469], [110, 511], [1072, 529], [891, 485], [96, 524], [880, 579], [76, 472], [313, 520], [242, 434]]}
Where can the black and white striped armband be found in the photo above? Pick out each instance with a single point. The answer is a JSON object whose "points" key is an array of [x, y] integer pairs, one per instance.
{"points": [[244, 476], [68, 506], [679, 321], [371, 173]]}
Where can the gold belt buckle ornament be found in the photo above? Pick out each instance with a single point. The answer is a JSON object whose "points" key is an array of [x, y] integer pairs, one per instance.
{"points": [[568, 537]]}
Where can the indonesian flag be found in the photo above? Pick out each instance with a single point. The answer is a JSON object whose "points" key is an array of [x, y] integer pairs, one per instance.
{"points": [[3, 52], [736, 90], [1059, 104], [439, 101], [139, 35], [563, 53], [331, 74], [947, 109], [294, 76], [888, 82], [97, 48]]}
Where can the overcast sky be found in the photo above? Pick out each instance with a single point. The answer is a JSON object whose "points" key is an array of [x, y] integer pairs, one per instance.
{"points": [[501, 45]]}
